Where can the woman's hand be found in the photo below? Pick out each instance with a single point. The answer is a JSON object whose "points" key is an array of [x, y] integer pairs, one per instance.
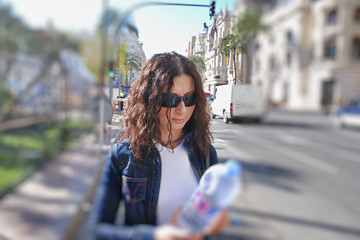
{"points": [[221, 221], [171, 232]]}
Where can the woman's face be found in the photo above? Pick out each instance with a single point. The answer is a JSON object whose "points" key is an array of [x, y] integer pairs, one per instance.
{"points": [[180, 115]]}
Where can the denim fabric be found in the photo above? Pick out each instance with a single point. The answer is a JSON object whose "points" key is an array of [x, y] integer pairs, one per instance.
{"points": [[137, 182]]}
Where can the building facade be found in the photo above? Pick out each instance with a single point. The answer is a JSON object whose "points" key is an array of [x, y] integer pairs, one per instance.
{"points": [[309, 58], [208, 45]]}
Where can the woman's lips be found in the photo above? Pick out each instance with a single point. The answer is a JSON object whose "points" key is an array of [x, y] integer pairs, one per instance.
{"points": [[178, 120]]}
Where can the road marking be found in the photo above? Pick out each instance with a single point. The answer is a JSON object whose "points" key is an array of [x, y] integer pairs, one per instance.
{"points": [[221, 130], [238, 153], [341, 154], [290, 139], [282, 150], [299, 156], [317, 146]]}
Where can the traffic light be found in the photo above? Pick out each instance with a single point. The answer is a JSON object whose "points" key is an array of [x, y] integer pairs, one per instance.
{"points": [[212, 9], [111, 73]]}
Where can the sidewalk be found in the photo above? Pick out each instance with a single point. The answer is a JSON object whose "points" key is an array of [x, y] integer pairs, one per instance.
{"points": [[45, 205]]}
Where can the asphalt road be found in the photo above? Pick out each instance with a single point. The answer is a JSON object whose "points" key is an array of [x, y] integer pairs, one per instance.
{"points": [[301, 177]]}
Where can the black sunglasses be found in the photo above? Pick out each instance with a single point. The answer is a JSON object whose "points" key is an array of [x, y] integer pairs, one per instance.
{"points": [[171, 101]]}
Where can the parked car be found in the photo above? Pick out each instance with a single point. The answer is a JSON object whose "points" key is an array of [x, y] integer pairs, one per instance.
{"points": [[347, 115]]}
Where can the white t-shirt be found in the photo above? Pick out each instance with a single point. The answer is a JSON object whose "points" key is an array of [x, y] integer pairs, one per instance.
{"points": [[178, 181]]}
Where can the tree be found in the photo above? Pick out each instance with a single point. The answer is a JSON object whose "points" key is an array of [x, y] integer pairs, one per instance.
{"points": [[132, 62], [16, 36], [247, 27], [122, 59], [110, 21], [199, 63], [230, 46], [6, 101], [45, 45]]}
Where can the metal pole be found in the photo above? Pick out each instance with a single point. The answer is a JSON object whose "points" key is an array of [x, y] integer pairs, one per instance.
{"points": [[102, 73]]}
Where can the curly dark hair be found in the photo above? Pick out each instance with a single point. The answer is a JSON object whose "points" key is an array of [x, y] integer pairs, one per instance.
{"points": [[141, 121]]}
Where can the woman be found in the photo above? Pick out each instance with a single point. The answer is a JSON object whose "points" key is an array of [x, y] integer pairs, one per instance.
{"points": [[164, 149]]}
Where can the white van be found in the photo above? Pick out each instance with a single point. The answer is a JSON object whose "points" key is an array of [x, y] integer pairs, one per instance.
{"points": [[239, 101]]}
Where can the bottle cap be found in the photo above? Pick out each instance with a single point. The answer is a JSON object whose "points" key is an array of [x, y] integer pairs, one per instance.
{"points": [[234, 168]]}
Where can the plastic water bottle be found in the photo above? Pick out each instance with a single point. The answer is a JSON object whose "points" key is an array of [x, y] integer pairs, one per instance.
{"points": [[218, 188]]}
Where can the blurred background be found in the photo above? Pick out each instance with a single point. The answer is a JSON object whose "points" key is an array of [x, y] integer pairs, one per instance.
{"points": [[66, 68]]}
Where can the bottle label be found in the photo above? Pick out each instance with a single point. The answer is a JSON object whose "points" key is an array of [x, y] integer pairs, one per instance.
{"points": [[202, 204], [197, 213]]}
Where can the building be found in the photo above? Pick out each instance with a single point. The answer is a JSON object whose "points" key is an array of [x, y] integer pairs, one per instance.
{"points": [[309, 59], [208, 45]]}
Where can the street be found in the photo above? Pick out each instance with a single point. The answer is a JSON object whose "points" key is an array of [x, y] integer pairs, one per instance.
{"points": [[301, 177]]}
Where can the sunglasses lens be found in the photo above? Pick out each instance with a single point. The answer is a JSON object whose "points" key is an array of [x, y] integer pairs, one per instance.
{"points": [[172, 101], [168, 100], [190, 100]]}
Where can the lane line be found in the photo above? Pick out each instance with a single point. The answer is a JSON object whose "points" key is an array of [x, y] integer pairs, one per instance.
{"points": [[281, 150], [233, 151], [318, 146], [296, 155]]}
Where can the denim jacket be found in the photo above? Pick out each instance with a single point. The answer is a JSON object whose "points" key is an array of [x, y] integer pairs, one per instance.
{"points": [[137, 182]]}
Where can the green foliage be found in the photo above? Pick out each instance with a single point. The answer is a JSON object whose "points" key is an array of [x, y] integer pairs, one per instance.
{"points": [[25, 149], [132, 60], [90, 51], [16, 36], [127, 60], [249, 24], [199, 63], [111, 20], [232, 42], [6, 101], [110, 23], [122, 58]]}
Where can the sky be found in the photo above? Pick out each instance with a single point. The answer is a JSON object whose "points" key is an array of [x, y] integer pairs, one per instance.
{"points": [[161, 28]]}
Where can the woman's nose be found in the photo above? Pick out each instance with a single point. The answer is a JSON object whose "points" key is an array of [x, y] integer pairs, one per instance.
{"points": [[181, 108]]}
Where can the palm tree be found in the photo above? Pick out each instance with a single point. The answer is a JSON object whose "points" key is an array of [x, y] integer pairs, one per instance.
{"points": [[199, 63], [247, 27], [230, 44], [132, 62], [110, 21]]}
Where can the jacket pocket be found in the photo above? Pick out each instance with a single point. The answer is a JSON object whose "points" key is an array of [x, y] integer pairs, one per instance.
{"points": [[134, 189]]}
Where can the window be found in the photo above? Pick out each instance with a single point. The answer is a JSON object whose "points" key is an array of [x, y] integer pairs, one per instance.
{"points": [[271, 39], [311, 53], [272, 64], [257, 65], [330, 48], [288, 58], [356, 48], [331, 17], [290, 40], [357, 15]]}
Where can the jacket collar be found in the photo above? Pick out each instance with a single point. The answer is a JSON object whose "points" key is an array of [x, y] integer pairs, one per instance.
{"points": [[188, 140]]}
